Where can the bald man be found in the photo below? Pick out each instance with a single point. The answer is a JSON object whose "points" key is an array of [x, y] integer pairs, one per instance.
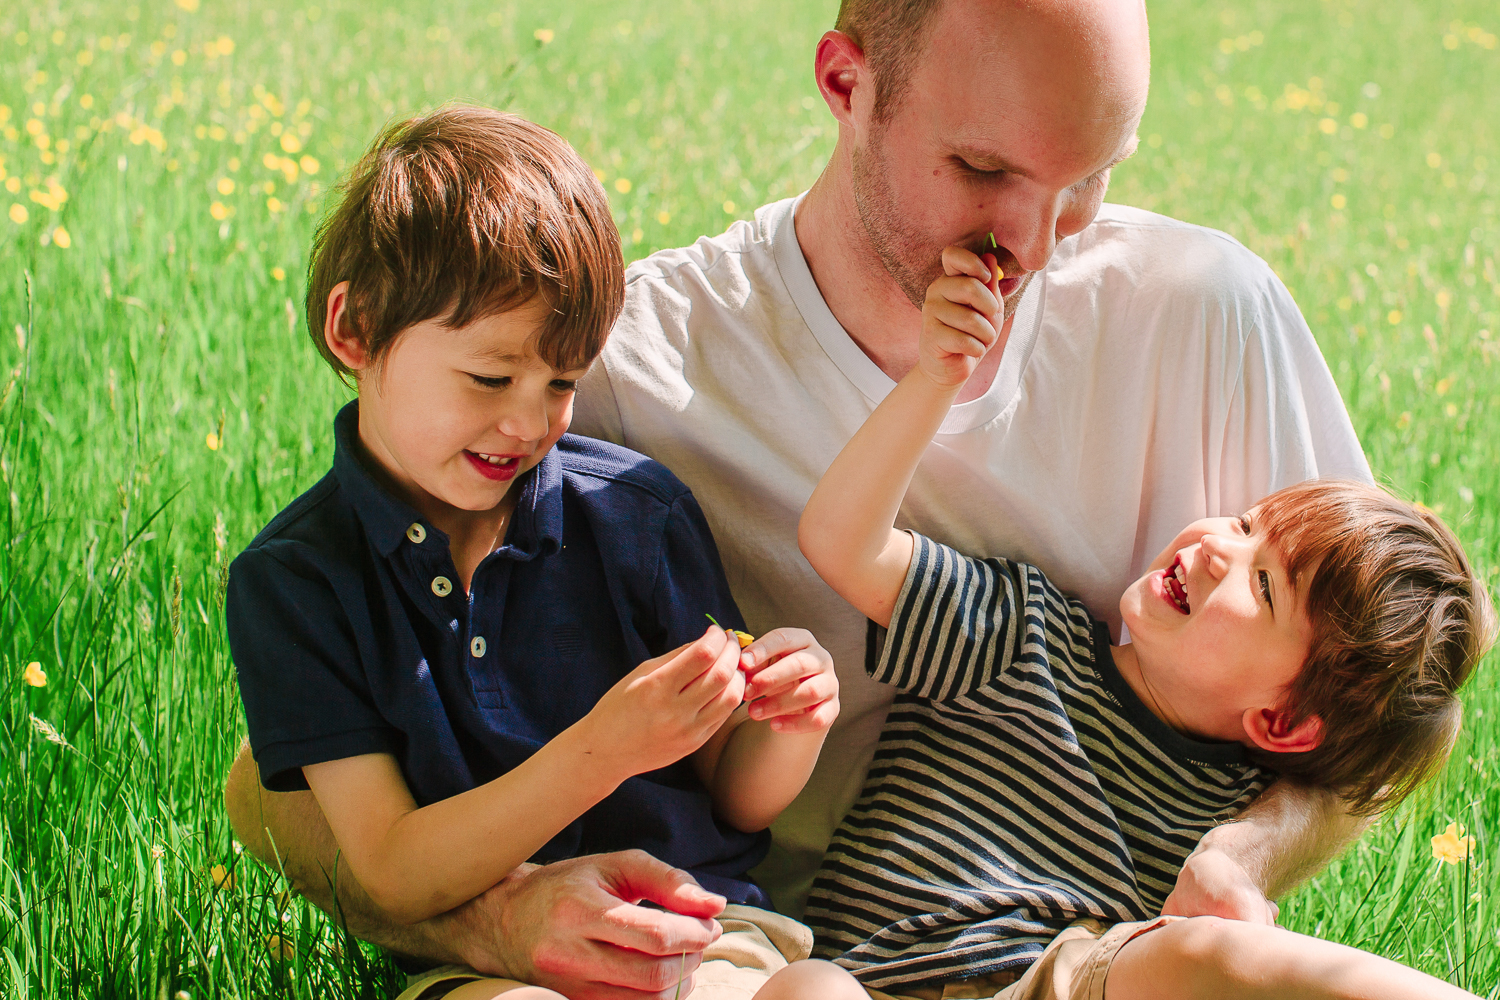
{"points": [[1152, 373]]}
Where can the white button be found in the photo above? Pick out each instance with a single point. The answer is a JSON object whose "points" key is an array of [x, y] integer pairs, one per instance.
{"points": [[442, 586], [477, 647], [417, 533]]}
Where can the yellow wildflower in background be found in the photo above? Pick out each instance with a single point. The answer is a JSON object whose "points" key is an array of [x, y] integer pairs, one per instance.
{"points": [[18, 213], [623, 185], [212, 441], [544, 35], [278, 273], [35, 675], [61, 238], [1451, 845]]}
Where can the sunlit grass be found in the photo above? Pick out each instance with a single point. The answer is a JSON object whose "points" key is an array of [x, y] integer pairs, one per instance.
{"points": [[162, 167]]}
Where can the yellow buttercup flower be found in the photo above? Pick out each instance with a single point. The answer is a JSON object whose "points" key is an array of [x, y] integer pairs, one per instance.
{"points": [[745, 638], [212, 441], [544, 35], [1451, 845], [35, 675], [222, 878]]}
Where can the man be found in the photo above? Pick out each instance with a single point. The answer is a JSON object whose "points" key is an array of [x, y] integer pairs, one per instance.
{"points": [[1148, 367]]}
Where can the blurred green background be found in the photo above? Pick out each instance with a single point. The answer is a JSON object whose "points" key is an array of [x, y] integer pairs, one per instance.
{"points": [[163, 166]]}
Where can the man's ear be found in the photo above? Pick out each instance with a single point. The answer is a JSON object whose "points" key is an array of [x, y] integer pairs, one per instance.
{"points": [[1272, 731], [839, 67], [339, 334]]}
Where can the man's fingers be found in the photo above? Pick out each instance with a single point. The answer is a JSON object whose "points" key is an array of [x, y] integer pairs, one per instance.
{"points": [[636, 875], [617, 973]]}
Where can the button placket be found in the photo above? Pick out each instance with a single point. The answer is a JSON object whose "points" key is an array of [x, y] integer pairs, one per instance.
{"points": [[442, 586]]}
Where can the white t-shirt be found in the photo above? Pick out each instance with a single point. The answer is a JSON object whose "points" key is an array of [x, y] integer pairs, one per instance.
{"points": [[1157, 372]]}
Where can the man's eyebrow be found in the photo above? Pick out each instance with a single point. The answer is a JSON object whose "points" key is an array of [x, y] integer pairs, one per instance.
{"points": [[988, 161]]}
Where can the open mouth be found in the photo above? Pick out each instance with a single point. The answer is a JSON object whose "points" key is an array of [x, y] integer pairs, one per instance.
{"points": [[1174, 581], [494, 466]]}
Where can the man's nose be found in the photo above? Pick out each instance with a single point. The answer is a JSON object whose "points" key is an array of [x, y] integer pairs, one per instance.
{"points": [[1030, 228]]}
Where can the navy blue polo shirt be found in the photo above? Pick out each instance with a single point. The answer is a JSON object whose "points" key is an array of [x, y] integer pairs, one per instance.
{"points": [[351, 636]]}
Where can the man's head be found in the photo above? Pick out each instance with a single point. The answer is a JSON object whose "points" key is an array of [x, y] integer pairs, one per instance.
{"points": [[469, 275], [959, 118]]}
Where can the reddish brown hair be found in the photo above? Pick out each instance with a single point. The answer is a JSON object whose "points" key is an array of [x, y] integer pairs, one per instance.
{"points": [[464, 213], [892, 34], [1399, 622]]}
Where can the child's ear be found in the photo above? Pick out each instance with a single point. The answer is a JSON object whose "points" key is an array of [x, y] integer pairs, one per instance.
{"points": [[1272, 731], [338, 334]]}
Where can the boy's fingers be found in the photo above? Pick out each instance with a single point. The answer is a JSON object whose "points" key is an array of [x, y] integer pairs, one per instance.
{"points": [[810, 720], [794, 698], [787, 670], [773, 645], [965, 291], [993, 282], [718, 672], [957, 260], [694, 659], [948, 323]]}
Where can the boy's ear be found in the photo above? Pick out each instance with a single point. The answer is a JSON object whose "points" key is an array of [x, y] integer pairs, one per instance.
{"points": [[338, 333], [1272, 731]]}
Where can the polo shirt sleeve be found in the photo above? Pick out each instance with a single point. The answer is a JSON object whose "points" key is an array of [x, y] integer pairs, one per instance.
{"points": [[964, 628], [690, 581], [307, 699]]}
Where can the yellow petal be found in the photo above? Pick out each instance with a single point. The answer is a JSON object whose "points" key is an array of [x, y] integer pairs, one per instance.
{"points": [[222, 878], [745, 638], [35, 675]]}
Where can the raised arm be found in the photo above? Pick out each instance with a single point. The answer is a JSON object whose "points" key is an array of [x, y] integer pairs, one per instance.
{"points": [[847, 530]]}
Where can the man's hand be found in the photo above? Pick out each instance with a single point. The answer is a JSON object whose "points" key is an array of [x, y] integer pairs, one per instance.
{"points": [[1213, 884], [575, 927], [790, 681], [961, 317]]}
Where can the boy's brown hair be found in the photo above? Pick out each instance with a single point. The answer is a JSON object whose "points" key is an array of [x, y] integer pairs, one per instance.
{"points": [[465, 213], [1399, 621]]}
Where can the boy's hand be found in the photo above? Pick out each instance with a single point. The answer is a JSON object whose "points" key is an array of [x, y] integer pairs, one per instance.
{"points": [[790, 681], [668, 706], [961, 318]]}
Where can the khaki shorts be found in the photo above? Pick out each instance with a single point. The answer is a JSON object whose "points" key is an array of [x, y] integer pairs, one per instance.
{"points": [[1072, 968], [755, 945]]}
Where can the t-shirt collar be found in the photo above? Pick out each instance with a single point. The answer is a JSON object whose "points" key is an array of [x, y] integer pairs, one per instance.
{"points": [[536, 526], [778, 222]]}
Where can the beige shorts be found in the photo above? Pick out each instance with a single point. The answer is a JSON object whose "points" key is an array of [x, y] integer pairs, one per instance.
{"points": [[1072, 968], [755, 944]]}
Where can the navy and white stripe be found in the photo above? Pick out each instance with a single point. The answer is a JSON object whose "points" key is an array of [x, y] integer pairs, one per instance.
{"points": [[1019, 785]]}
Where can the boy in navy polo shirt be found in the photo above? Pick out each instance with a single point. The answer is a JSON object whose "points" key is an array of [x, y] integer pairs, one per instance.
{"points": [[438, 638]]}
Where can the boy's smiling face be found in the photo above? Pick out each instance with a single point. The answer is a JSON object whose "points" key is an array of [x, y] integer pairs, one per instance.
{"points": [[453, 416], [1219, 631]]}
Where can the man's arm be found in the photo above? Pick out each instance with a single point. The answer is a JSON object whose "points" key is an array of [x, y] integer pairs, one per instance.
{"points": [[572, 926], [1287, 835]]}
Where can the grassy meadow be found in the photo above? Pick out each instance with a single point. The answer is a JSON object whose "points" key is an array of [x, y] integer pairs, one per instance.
{"points": [[163, 164]]}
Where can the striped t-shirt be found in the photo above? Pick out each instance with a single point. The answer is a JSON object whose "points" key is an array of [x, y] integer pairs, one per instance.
{"points": [[1019, 785]]}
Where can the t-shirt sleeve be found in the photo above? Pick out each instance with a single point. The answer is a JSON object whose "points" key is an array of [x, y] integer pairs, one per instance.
{"points": [[964, 627], [306, 697], [596, 413], [1286, 422], [690, 581]]}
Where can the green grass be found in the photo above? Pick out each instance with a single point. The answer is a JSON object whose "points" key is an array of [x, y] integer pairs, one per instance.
{"points": [[167, 320]]}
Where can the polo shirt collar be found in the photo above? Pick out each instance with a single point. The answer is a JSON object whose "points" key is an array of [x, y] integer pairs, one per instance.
{"points": [[536, 526]]}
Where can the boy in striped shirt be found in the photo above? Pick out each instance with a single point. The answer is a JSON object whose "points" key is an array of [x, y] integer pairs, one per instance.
{"points": [[1037, 790]]}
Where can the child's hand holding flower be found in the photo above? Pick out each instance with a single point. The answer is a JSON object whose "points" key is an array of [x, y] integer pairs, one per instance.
{"points": [[790, 682], [961, 318]]}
